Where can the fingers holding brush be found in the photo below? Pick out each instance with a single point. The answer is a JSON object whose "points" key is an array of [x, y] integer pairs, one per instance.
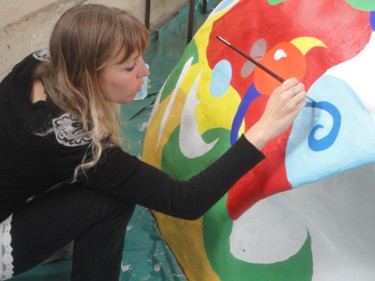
{"points": [[282, 108], [291, 92]]}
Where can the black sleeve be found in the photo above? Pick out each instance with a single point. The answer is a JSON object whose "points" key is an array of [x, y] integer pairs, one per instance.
{"points": [[125, 177]]}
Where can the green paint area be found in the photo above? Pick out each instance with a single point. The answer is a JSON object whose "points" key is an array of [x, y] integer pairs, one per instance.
{"points": [[179, 167], [275, 2], [190, 51], [364, 5], [217, 227]]}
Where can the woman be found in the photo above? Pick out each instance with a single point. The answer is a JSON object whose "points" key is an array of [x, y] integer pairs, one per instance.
{"points": [[63, 175]]}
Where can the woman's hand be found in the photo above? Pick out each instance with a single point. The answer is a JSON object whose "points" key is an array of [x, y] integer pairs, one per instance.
{"points": [[282, 108]]}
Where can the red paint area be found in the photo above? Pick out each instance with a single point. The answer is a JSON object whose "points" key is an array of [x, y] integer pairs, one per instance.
{"points": [[293, 65], [267, 178], [344, 30]]}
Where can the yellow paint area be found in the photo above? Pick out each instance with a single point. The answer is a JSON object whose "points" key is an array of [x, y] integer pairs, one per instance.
{"points": [[190, 77], [202, 37], [305, 44], [185, 238], [151, 153], [212, 112], [215, 112]]}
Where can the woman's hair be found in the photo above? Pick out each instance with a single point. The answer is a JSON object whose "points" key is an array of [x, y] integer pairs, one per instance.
{"points": [[84, 40]]}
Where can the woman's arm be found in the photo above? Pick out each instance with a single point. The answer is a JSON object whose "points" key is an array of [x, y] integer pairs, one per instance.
{"points": [[125, 177]]}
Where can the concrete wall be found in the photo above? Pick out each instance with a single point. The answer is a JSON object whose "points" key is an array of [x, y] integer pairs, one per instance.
{"points": [[25, 25]]}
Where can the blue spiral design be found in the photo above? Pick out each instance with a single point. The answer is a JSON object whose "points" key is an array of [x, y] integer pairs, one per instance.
{"points": [[324, 143]]}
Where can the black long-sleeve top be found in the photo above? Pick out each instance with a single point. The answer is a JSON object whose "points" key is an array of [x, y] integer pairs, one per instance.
{"points": [[30, 164]]}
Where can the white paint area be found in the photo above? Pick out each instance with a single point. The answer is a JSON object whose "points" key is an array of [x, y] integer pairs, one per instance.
{"points": [[359, 74], [223, 5], [190, 140], [256, 241], [279, 54], [172, 99], [155, 108], [339, 215]]}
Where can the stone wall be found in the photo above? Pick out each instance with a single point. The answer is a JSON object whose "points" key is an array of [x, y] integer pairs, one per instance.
{"points": [[25, 26]]}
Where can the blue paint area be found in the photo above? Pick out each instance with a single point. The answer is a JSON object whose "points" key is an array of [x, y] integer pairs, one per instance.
{"points": [[325, 142], [225, 4], [249, 97], [372, 20], [220, 80], [349, 145]]}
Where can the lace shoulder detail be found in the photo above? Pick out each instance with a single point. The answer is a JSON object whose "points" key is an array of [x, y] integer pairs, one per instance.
{"points": [[42, 55], [6, 258], [66, 130]]}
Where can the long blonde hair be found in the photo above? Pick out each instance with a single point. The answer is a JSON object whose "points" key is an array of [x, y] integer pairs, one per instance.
{"points": [[83, 41]]}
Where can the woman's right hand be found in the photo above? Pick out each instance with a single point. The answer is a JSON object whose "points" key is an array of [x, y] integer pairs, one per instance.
{"points": [[282, 108]]}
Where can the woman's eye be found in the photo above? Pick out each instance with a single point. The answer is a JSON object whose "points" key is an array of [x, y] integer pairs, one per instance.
{"points": [[130, 68]]}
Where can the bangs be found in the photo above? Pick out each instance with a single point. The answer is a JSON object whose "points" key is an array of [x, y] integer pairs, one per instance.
{"points": [[133, 38]]}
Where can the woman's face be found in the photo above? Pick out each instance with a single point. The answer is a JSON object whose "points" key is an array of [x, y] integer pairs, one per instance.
{"points": [[121, 81]]}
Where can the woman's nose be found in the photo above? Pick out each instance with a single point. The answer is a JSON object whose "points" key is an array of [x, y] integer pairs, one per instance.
{"points": [[143, 71], [146, 70]]}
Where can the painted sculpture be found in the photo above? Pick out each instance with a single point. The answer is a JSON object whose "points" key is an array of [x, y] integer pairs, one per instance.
{"points": [[214, 94]]}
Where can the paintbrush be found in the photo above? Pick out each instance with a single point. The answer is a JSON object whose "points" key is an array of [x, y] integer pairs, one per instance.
{"points": [[273, 74]]}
